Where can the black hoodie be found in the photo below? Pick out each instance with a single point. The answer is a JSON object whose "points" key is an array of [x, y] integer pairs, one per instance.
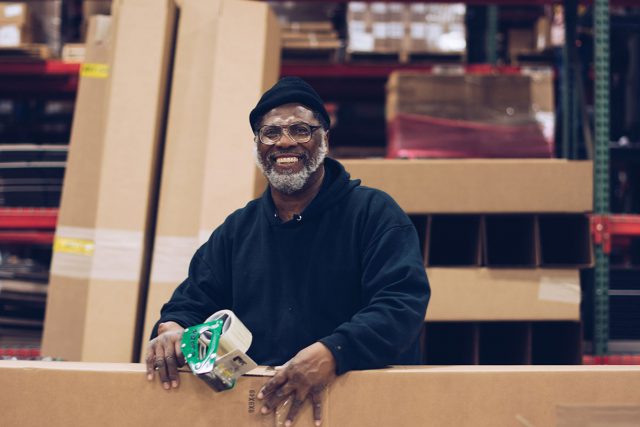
{"points": [[347, 272]]}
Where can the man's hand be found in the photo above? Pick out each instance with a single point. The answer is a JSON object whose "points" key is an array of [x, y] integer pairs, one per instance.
{"points": [[164, 354], [304, 376]]}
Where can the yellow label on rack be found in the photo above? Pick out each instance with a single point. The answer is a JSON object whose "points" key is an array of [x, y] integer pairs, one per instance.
{"points": [[73, 246], [96, 71]]}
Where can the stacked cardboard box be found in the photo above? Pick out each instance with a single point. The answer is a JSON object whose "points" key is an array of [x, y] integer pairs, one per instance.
{"points": [[102, 247], [219, 74], [436, 28], [532, 40], [470, 114], [308, 30], [375, 27], [473, 396], [310, 35], [405, 29], [13, 23]]}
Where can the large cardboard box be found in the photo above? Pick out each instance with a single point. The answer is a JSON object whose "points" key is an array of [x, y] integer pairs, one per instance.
{"points": [[483, 294], [228, 54], [81, 394], [102, 241], [480, 185]]}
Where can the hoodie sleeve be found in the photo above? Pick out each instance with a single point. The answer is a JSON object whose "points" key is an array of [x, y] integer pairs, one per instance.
{"points": [[204, 291], [395, 297]]}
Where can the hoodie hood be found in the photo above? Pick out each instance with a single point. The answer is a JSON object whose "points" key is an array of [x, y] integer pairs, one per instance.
{"points": [[336, 184]]}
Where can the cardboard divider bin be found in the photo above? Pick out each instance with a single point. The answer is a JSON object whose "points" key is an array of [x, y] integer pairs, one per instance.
{"points": [[509, 241], [556, 343], [565, 240], [505, 343], [451, 343], [420, 222], [454, 240]]}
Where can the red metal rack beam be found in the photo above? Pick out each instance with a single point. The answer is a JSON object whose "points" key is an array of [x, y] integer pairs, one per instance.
{"points": [[28, 218], [39, 68], [27, 237], [603, 227]]}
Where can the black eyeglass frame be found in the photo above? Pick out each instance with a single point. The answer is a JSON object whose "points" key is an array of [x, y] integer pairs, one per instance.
{"points": [[285, 129]]}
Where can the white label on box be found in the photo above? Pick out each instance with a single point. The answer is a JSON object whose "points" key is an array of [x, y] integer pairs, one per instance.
{"points": [[559, 289], [395, 7], [13, 10], [418, 30], [380, 30], [357, 27], [361, 42], [9, 35], [171, 258], [395, 30]]}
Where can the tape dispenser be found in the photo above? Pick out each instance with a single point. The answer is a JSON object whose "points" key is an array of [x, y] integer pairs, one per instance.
{"points": [[215, 350]]}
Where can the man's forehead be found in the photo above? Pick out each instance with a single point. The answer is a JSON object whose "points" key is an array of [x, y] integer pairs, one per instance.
{"points": [[289, 113]]}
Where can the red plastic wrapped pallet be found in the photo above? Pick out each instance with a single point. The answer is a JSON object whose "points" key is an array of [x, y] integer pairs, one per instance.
{"points": [[470, 115]]}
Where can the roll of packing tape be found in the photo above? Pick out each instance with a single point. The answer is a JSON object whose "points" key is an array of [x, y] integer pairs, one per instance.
{"points": [[235, 336]]}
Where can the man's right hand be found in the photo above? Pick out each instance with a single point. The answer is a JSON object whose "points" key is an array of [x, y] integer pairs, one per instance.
{"points": [[165, 356]]}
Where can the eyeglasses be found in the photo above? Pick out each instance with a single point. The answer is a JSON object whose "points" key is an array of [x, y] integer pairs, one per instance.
{"points": [[298, 132]]}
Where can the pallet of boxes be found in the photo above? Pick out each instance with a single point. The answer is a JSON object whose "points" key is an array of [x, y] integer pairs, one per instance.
{"points": [[400, 32], [16, 34]]}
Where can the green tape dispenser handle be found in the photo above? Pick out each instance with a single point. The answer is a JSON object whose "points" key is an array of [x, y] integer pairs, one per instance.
{"points": [[195, 339]]}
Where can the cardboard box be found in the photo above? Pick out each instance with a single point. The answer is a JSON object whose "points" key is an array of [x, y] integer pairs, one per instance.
{"points": [[484, 294], [79, 394], [13, 13], [227, 55], [521, 40], [102, 246], [480, 186]]}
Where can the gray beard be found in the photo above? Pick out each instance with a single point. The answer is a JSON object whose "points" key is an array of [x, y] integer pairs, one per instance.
{"points": [[289, 183]]}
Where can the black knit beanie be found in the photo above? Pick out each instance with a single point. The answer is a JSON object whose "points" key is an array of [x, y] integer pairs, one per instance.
{"points": [[288, 90]]}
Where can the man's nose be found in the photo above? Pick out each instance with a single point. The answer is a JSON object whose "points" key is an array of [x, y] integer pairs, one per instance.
{"points": [[286, 140]]}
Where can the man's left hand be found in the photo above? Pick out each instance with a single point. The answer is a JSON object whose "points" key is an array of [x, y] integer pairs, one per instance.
{"points": [[304, 376]]}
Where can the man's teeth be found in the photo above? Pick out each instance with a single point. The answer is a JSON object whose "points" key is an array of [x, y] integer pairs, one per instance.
{"points": [[285, 160]]}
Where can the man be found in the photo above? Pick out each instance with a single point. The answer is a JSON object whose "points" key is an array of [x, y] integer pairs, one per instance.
{"points": [[325, 273]]}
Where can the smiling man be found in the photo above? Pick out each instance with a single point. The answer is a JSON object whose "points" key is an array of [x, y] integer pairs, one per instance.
{"points": [[326, 273]]}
